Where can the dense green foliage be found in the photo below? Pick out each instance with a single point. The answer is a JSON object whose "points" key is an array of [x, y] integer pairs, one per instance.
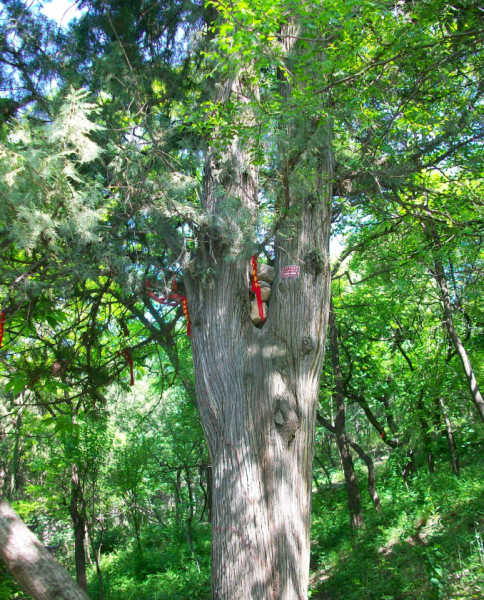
{"points": [[104, 129]]}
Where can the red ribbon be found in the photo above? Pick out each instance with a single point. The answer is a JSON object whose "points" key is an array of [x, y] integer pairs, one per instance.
{"points": [[184, 303], [383, 435], [173, 300], [2, 325], [256, 288], [127, 355]]}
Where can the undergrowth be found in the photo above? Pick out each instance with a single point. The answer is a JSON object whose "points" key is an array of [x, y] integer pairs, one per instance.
{"points": [[427, 542]]}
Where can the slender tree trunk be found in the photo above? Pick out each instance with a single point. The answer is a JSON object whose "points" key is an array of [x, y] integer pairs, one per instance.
{"points": [[97, 550], [328, 442], [177, 486], [352, 489], [389, 415], [441, 279], [371, 473], [374, 421], [16, 452], [367, 459], [424, 424], [450, 438], [98, 565], [76, 510], [99, 572], [86, 548], [190, 514], [326, 472], [35, 569], [410, 464]]}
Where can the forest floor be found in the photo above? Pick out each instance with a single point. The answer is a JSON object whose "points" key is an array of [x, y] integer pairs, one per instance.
{"points": [[426, 543]]}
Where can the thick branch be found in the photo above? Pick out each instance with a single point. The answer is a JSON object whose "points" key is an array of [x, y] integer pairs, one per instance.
{"points": [[35, 569]]}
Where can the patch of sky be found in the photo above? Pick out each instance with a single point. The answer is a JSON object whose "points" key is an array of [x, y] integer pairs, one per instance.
{"points": [[335, 245], [61, 11]]}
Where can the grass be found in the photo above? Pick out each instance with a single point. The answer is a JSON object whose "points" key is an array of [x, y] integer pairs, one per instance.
{"points": [[427, 542]]}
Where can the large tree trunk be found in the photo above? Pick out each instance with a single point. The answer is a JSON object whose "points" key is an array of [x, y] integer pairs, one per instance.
{"points": [[35, 569], [257, 392], [256, 387]]}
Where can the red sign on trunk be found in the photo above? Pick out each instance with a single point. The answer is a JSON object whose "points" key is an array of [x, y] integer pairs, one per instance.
{"points": [[291, 271]]}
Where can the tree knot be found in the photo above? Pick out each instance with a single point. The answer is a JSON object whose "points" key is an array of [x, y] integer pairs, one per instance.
{"points": [[286, 420], [315, 262]]}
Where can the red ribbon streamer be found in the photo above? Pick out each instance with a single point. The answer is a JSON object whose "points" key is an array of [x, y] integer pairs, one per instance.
{"points": [[2, 325], [256, 288], [184, 303], [173, 300], [127, 355]]}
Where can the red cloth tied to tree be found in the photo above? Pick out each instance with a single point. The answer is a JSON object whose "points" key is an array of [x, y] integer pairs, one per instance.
{"points": [[184, 303], [127, 355], [2, 325], [170, 300], [256, 288], [173, 300]]}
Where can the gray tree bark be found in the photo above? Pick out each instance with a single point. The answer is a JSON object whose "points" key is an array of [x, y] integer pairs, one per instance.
{"points": [[35, 569], [257, 387]]}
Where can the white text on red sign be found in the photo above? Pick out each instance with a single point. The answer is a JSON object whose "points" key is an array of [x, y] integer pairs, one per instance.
{"points": [[291, 271]]}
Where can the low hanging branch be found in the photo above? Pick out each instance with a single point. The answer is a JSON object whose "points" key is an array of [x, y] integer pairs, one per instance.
{"points": [[35, 569]]}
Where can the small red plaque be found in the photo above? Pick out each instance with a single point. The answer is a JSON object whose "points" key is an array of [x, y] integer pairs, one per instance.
{"points": [[291, 271]]}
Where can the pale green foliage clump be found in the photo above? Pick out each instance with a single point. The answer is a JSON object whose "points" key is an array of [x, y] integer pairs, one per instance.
{"points": [[46, 201], [72, 128]]}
